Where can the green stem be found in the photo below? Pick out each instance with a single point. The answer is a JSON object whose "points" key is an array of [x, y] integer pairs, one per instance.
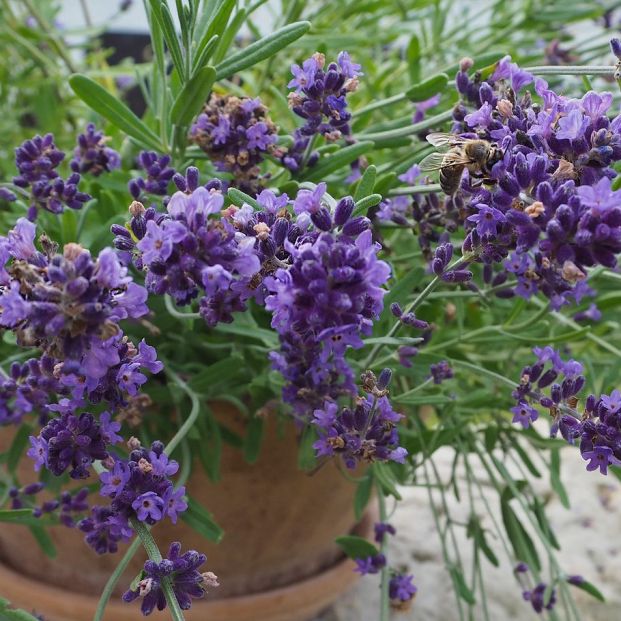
{"points": [[114, 578], [380, 103], [190, 420], [175, 313], [411, 308], [384, 595], [562, 70], [589, 335], [415, 189], [412, 129], [155, 555]]}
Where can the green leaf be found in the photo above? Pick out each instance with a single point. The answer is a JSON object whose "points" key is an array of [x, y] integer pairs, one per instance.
{"points": [[460, 585], [555, 477], [192, 96], [591, 590], [43, 539], [252, 440], [343, 157], [385, 477], [427, 88], [19, 443], [413, 56], [366, 183], [216, 26], [362, 496], [23, 517], [108, 106], [393, 340], [476, 532], [238, 198], [205, 381], [170, 36], [306, 452], [363, 205], [261, 49], [13, 614], [356, 547], [229, 35], [205, 54], [521, 541], [202, 521], [210, 448], [268, 337]]}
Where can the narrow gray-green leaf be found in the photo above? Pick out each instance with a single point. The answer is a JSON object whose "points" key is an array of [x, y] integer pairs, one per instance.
{"points": [[261, 49], [338, 160], [427, 88], [363, 205], [366, 183], [108, 106], [192, 96], [172, 41], [205, 53]]}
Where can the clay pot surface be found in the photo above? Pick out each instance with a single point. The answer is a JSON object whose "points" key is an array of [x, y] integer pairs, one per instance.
{"points": [[280, 525]]}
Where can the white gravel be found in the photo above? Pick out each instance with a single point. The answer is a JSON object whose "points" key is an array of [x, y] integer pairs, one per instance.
{"points": [[588, 534]]}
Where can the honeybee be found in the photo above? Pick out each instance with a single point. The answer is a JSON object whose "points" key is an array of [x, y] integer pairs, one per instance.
{"points": [[478, 156]]}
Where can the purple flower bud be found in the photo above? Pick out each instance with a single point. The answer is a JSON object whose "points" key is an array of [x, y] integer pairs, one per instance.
{"points": [[615, 46], [321, 219], [343, 210], [396, 310], [384, 379], [355, 226], [547, 378]]}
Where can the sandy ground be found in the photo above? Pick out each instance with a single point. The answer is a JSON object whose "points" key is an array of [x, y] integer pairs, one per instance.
{"points": [[588, 534]]}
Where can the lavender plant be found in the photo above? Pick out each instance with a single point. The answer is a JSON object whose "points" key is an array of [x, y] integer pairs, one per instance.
{"points": [[271, 216]]}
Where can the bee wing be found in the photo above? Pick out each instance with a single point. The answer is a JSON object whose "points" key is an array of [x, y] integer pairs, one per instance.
{"points": [[436, 161], [443, 139]]}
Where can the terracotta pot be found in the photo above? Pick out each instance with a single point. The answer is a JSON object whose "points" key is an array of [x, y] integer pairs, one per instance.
{"points": [[277, 561]]}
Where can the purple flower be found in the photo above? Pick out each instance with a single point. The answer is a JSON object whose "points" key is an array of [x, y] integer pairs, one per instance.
{"points": [[38, 452], [524, 414], [148, 505], [612, 403], [382, 529], [571, 126], [182, 570], [305, 75], [159, 240], [114, 481], [236, 134], [174, 503], [349, 69], [487, 220], [401, 588], [370, 564], [482, 117], [320, 98], [14, 308], [260, 137], [91, 154], [366, 432], [309, 201], [600, 458], [72, 442]]}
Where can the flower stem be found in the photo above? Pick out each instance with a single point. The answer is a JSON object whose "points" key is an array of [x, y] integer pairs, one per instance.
{"points": [[415, 189], [114, 578], [190, 420], [384, 595], [155, 555], [562, 70]]}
